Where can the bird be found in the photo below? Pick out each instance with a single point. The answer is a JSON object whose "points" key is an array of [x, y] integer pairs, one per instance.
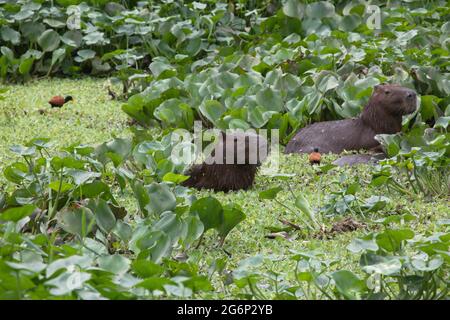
{"points": [[314, 157], [59, 101], [112, 94]]}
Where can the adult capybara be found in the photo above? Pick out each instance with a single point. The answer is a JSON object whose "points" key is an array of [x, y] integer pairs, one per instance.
{"points": [[383, 114], [232, 164]]}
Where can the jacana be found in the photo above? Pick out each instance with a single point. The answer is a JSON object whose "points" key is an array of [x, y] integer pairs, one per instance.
{"points": [[59, 101], [315, 157]]}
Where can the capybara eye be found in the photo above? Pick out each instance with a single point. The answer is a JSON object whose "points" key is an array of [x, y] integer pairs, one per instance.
{"points": [[387, 92]]}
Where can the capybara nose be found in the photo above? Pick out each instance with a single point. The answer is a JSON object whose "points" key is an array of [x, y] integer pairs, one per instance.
{"points": [[411, 95]]}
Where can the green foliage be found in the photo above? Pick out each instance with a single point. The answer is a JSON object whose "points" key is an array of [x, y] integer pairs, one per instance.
{"points": [[419, 160], [111, 221]]}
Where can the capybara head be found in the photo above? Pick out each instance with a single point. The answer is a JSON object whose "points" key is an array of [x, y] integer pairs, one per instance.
{"points": [[394, 99], [387, 105], [232, 164]]}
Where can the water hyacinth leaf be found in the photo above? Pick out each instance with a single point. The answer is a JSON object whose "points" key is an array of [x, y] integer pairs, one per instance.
{"points": [[194, 228], [391, 240], [103, 215], [372, 263], [92, 190], [231, 218], [270, 99], [303, 204], [49, 40], [360, 245], [212, 110], [160, 198], [83, 55], [375, 203], [23, 150], [115, 264], [123, 231], [270, 194], [54, 23], [174, 177], [79, 221], [146, 268], [155, 283], [32, 30], [72, 38], [141, 196], [348, 284], [10, 35], [15, 214], [170, 224], [67, 282], [320, 9], [58, 56], [155, 245], [442, 122], [16, 172], [81, 177], [427, 265], [25, 66], [60, 186], [294, 9], [210, 212], [161, 68]]}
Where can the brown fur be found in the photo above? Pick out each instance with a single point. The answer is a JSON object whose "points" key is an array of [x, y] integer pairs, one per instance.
{"points": [[223, 176], [383, 114]]}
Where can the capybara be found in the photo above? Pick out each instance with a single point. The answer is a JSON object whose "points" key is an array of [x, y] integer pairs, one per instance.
{"points": [[382, 114], [232, 164]]}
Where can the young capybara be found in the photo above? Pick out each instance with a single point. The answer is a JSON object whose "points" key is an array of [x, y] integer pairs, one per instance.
{"points": [[232, 164], [382, 114]]}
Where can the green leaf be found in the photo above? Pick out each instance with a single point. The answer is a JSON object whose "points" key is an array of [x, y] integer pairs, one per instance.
{"points": [[212, 110], [270, 194], [174, 177], [32, 30], [25, 66], [294, 9], [61, 186], [320, 9], [16, 172], [15, 214], [79, 221], [146, 268], [103, 215], [303, 205], [10, 35], [160, 198], [116, 264], [155, 283], [360, 245], [49, 40], [210, 212], [231, 218], [442, 122], [372, 263], [81, 177], [72, 38], [58, 56], [84, 55], [348, 284], [161, 68], [270, 99], [392, 240], [194, 228]]}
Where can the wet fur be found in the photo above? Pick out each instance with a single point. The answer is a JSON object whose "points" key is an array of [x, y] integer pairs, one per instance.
{"points": [[226, 177], [383, 114]]}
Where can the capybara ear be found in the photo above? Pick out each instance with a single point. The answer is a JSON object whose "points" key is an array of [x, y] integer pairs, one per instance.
{"points": [[377, 87]]}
